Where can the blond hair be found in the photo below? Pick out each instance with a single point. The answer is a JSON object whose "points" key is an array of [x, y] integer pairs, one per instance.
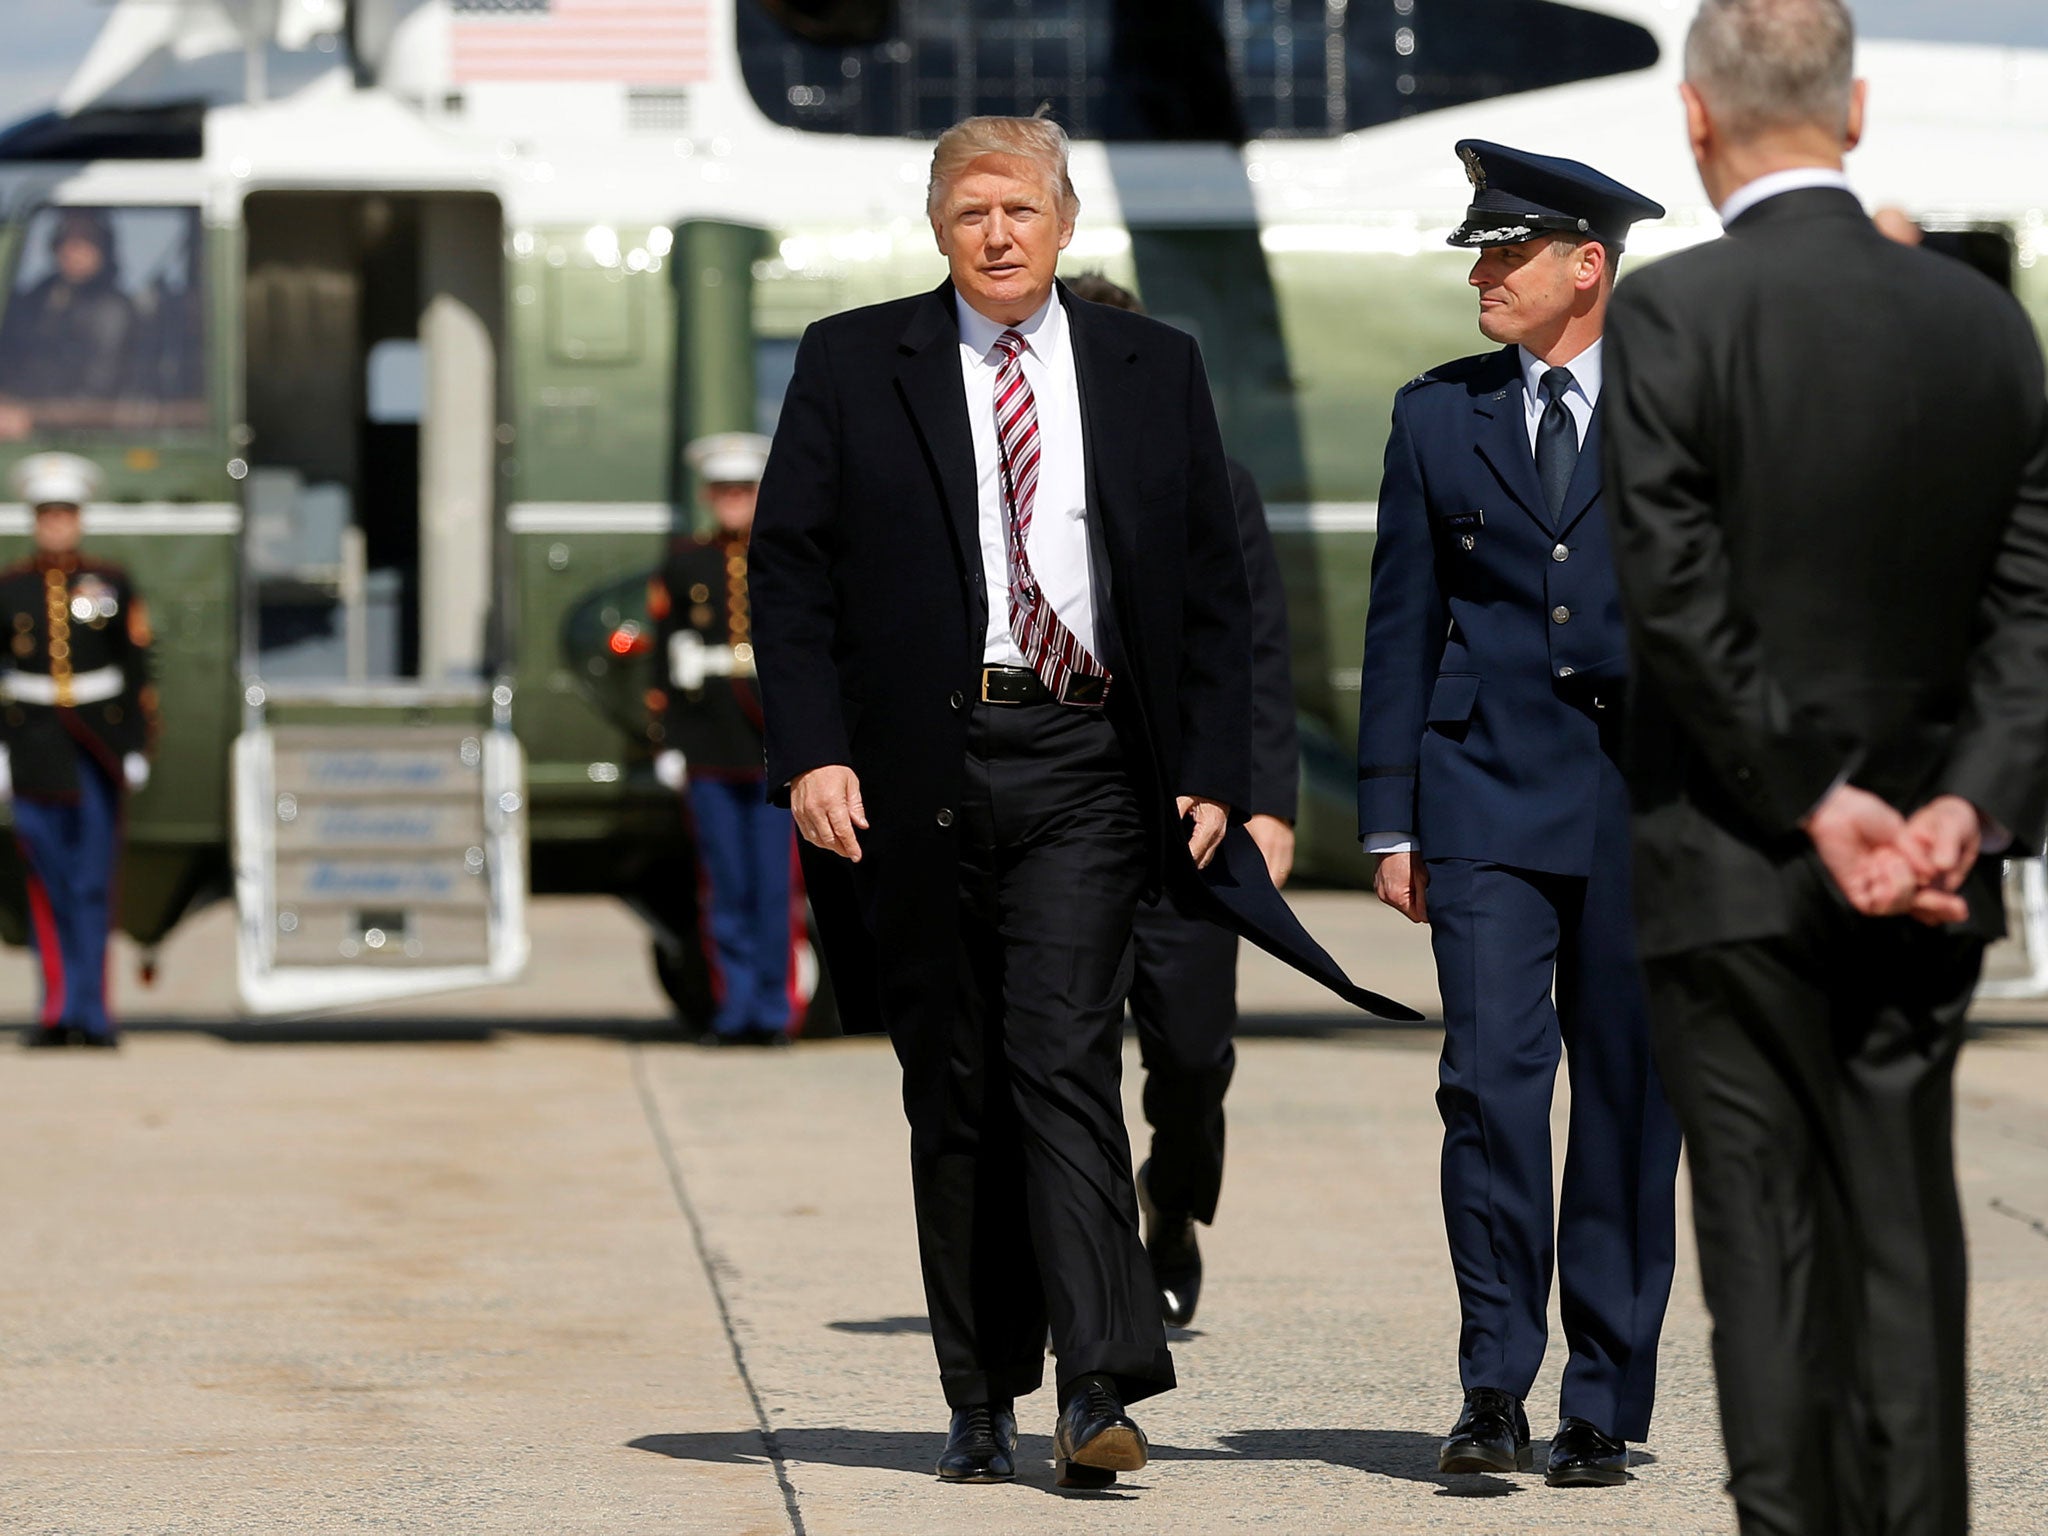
{"points": [[1763, 64], [1037, 138]]}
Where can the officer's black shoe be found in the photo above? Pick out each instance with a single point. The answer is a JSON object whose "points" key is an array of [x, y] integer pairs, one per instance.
{"points": [[1581, 1456], [45, 1037], [1491, 1435], [981, 1445], [1175, 1254], [1095, 1439], [98, 1042]]}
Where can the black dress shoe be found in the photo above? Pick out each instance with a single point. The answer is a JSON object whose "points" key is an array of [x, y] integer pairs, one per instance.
{"points": [[1095, 1439], [981, 1445], [1581, 1456], [1491, 1435], [1176, 1256], [46, 1037]]}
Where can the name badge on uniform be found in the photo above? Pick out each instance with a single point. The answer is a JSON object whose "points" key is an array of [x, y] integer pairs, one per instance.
{"points": [[1465, 527]]}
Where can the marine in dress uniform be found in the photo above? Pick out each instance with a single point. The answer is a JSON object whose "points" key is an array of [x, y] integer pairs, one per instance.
{"points": [[1488, 785], [705, 723], [77, 723], [1183, 999]]}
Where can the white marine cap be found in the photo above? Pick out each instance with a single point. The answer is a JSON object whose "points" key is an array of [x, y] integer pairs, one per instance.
{"points": [[728, 458], [56, 479]]}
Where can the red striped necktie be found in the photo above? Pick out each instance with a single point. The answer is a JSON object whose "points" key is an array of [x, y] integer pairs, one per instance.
{"points": [[1050, 648]]}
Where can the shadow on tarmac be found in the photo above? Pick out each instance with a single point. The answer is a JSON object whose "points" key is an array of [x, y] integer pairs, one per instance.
{"points": [[455, 1030], [1401, 1453]]}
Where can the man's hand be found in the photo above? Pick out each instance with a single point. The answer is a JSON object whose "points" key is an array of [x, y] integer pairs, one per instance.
{"points": [[827, 808], [1276, 841], [1947, 835], [1857, 837], [1401, 881], [1211, 818]]}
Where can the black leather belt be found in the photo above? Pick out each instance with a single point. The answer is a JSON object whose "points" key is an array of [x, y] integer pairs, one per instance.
{"points": [[1021, 685]]}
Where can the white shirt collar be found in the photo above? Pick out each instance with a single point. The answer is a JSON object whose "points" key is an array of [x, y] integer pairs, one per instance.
{"points": [[1798, 179], [1585, 370], [1044, 333]]}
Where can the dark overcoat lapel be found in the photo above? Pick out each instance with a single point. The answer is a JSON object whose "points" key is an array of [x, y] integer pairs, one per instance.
{"points": [[928, 377], [1100, 374]]}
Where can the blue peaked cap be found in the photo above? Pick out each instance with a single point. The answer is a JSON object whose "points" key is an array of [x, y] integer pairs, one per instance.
{"points": [[1517, 196]]}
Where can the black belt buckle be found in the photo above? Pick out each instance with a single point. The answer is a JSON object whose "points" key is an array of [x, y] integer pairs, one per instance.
{"points": [[1011, 685]]}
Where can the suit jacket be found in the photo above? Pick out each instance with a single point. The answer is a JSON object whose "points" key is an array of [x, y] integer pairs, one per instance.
{"points": [[703, 590], [1491, 686], [870, 604], [870, 610], [1275, 738], [105, 632], [1828, 476]]}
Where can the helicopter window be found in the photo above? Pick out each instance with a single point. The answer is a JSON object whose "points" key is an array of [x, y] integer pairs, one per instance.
{"points": [[1160, 70], [105, 328]]}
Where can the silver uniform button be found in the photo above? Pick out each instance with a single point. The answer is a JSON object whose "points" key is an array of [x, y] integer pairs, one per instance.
{"points": [[1564, 671], [1560, 614], [1560, 554]]}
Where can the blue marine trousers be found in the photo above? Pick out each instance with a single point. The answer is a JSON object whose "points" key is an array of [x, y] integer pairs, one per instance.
{"points": [[69, 850], [1531, 965], [745, 851]]}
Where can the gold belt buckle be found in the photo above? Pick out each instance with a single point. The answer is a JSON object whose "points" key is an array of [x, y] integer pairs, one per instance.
{"points": [[984, 684]]}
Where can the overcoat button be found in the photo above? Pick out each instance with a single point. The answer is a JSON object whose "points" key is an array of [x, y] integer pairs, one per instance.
{"points": [[1560, 614], [944, 818], [957, 699], [1560, 553]]}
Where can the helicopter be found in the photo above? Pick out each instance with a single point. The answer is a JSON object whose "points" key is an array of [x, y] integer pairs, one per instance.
{"points": [[426, 296]]}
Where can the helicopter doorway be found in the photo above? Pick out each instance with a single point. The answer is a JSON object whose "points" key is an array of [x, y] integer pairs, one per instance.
{"points": [[374, 329]]}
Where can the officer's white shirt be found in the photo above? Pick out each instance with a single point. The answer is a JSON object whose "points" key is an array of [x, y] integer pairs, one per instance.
{"points": [[1798, 179], [1057, 545], [1579, 400]]}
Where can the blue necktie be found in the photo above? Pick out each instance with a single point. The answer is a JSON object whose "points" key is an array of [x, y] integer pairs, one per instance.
{"points": [[1557, 441]]}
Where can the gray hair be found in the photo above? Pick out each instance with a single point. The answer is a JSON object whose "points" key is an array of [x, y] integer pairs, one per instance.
{"points": [[1762, 64], [1030, 138]]}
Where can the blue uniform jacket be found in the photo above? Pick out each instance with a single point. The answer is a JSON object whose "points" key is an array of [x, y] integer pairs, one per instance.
{"points": [[1495, 655]]}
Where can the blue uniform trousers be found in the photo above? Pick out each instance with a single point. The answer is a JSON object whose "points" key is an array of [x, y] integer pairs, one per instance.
{"points": [[1529, 962], [745, 852], [69, 849]]}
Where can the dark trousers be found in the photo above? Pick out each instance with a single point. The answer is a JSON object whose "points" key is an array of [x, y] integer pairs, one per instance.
{"points": [[1528, 963], [745, 851], [1184, 1007], [1026, 1215], [69, 849], [1813, 1075]]}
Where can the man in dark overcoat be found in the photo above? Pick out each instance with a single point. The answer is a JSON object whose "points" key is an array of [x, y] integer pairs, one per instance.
{"points": [[1004, 641], [1828, 480]]}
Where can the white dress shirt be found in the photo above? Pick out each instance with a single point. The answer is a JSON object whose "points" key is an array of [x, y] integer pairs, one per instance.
{"points": [[1057, 544], [1580, 399], [1798, 179]]}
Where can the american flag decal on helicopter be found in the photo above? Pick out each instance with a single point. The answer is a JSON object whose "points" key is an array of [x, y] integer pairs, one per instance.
{"points": [[635, 42]]}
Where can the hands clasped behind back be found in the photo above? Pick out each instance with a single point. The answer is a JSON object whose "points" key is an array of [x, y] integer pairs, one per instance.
{"points": [[827, 806]]}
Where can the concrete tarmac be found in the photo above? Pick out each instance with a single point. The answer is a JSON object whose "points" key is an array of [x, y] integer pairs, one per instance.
{"points": [[519, 1263]]}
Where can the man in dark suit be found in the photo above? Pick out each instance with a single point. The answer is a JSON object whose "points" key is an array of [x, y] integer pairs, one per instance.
{"points": [[1184, 968], [1490, 793], [1828, 477], [1004, 640]]}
